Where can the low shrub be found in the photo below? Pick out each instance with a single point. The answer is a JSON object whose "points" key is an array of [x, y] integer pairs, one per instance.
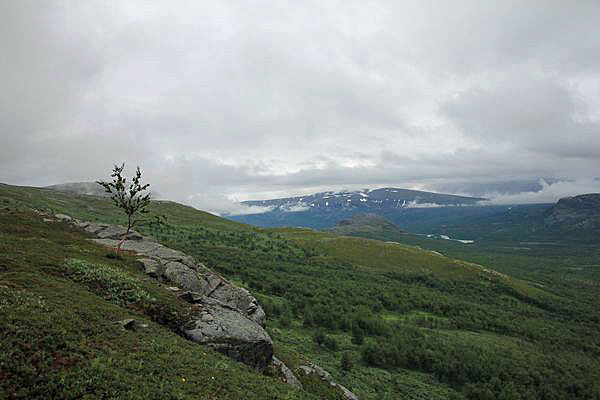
{"points": [[116, 285]]}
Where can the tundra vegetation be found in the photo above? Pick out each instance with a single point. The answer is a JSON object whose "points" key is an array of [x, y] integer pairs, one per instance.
{"points": [[387, 320]]}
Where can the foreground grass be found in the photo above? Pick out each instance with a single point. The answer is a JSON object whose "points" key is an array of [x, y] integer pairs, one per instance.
{"points": [[59, 300]]}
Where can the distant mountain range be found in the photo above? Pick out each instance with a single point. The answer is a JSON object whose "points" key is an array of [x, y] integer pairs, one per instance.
{"points": [[366, 200], [430, 213], [410, 209]]}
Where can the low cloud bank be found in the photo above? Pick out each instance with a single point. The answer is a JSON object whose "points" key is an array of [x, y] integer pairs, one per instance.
{"points": [[550, 192], [221, 205]]}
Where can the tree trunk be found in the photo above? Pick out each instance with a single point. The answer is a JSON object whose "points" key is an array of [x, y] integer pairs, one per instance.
{"points": [[124, 237]]}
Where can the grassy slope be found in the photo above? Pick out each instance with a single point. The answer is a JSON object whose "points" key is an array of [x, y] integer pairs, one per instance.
{"points": [[435, 308], [58, 336], [568, 268]]}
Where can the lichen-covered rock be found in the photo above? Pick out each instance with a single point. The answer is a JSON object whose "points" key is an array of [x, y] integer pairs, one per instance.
{"points": [[241, 299], [95, 228], [225, 329], [151, 267], [117, 232], [315, 369], [63, 217], [111, 232], [187, 278]]}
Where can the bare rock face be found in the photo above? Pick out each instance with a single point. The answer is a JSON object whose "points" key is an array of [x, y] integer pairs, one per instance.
{"points": [[226, 317]]}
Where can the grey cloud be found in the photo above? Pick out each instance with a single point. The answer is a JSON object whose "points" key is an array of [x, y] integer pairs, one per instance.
{"points": [[538, 115], [219, 101], [549, 192]]}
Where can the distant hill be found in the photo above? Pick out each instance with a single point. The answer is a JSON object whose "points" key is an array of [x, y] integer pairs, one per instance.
{"points": [[365, 224], [577, 213]]}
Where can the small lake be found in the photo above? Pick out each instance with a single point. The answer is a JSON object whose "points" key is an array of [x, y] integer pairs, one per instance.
{"points": [[446, 237]]}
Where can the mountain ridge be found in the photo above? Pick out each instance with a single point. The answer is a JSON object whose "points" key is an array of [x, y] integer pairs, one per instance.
{"points": [[387, 197], [575, 213]]}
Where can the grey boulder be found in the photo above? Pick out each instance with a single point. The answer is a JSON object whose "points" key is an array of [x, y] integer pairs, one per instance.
{"points": [[63, 217], [151, 267], [223, 328]]}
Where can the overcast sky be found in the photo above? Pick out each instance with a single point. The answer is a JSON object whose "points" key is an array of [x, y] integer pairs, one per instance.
{"points": [[221, 101]]}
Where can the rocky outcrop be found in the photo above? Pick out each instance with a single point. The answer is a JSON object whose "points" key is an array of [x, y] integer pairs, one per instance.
{"points": [[225, 317], [63, 217], [178, 268], [288, 375], [326, 376]]}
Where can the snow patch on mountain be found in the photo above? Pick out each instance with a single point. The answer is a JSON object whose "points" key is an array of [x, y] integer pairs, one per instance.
{"points": [[415, 204], [295, 207]]}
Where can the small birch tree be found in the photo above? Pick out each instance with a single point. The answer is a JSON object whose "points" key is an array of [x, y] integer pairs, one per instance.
{"points": [[132, 200]]}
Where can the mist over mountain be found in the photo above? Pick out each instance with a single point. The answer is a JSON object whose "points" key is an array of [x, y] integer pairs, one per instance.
{"points": [[366, 199], [87, 188], [411, 209]]}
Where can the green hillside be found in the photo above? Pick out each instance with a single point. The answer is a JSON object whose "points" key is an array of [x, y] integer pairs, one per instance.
{"points": [[58, 333], [387, 320]]}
